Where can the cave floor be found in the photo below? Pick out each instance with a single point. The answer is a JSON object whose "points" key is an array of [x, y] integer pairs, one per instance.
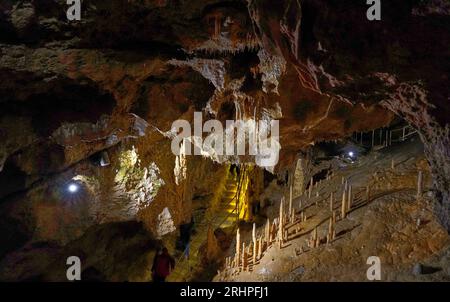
{"points": [[393, 225]]}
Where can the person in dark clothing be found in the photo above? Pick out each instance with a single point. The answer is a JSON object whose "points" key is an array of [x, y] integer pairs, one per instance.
{"points": [[185, 236], [163, 264], [235, 170]]}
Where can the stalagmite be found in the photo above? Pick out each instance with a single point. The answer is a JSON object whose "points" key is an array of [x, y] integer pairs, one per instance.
{"points": [[244, 257], [267, 232], [343, 204], [331, 202], [392, 164], [333, 220], [238, 247], [317, 240], [260, 247], [254, 243], [314, 239], [331, 231], [349, 198], [273, 232], [292, 217], [419, 184], [281, 226], [310, 188], [290, 201]]}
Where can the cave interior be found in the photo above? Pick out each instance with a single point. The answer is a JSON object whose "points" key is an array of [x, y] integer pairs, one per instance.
{"points": [[355, 114]]}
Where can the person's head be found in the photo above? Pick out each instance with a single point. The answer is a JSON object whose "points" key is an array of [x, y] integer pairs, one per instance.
{"points": [[159, 250], [165, 251]]}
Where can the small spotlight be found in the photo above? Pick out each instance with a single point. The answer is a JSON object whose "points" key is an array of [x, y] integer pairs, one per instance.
{"points": [[73, 188], [351, 154]]}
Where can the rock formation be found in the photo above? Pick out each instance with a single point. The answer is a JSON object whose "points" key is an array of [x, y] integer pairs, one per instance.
{"points": [[91, 103]]}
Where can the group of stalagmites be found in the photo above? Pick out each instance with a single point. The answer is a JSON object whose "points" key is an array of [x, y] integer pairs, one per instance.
{"points": [[289, 223]]}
